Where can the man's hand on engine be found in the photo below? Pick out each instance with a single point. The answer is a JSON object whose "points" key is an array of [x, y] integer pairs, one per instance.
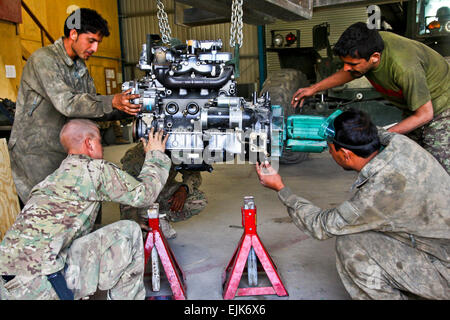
{"points": [[178, 199], [300, 95], [121, 101], [156, 141], [269, 177]]}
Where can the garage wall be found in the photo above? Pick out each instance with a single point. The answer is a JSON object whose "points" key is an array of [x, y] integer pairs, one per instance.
{"points": [[139, 19], [339, 19], [25, 38], [10, 55]]}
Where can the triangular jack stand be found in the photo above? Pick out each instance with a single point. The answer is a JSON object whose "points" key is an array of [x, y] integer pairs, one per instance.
{"points": [[250, 244], [156, 240]]}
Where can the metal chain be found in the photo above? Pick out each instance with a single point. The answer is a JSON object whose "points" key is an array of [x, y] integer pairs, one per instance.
{"points": [[236, 23], [163, 22]]}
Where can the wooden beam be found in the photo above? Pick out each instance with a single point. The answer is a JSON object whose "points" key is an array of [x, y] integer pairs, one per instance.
{"points": [[223, 8], [330, 3], [9, 201], [286, 10], [10, 11], [38, 23], [197, 17]]}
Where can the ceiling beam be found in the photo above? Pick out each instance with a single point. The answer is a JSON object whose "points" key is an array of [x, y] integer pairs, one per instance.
{"points": [[331, 3], [257, 12], [222, 8]]}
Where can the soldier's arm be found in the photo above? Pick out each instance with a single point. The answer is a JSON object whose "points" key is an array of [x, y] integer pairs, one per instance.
{"points": [[320, 224], [339, 78], [421, 116], [349, 217], [63, 97], [116, 185]]}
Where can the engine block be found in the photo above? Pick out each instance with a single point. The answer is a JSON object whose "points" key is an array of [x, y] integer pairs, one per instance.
{"points": [[190, 92]]}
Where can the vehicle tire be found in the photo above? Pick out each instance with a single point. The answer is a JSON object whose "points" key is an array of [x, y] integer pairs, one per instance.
{"points": [[281, 86], [109, 138]]}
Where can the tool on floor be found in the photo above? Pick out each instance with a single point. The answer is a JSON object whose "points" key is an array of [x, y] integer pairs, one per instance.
{"points": [[250, 247], [157, 248]]}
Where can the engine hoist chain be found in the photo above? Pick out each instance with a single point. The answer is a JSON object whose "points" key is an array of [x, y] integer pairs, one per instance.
{"points": [[236, 36], [163, 22]]}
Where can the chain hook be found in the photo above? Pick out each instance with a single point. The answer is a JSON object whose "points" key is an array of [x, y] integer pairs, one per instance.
{"points": [[236, 36], [163, 22]]}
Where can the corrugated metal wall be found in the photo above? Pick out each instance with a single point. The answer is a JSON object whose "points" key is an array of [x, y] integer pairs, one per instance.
{"points": [[339, 19], [140, 19]]}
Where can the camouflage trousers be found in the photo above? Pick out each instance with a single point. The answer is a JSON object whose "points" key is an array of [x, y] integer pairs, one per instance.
{"points": [[111, 258], [435, 138], [194, 204], [373, 265]]}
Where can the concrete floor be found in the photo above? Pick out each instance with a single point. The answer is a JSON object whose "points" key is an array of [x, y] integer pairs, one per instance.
{"points": [[206, 242]]}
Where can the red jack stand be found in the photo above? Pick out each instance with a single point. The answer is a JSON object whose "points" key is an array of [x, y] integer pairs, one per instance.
{"points": [[156, 245], [247, 247]]}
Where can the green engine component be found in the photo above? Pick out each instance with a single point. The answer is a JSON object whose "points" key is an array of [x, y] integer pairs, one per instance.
{"points": [[306, 133], [278, 131]]}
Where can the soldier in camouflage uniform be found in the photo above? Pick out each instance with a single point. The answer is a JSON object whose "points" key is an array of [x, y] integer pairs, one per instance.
{"points": [[178, 200], [54, 87], [53, 234], [393, 234]]}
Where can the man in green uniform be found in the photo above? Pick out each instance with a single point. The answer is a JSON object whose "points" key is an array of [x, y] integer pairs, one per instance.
{"points": [[177, 201], [406, 72], [56, 86], [52, 239], [392, 235]]}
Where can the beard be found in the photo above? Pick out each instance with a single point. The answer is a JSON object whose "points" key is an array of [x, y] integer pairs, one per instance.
{"points": [[87, 56], [83, 55], [357, 74]]}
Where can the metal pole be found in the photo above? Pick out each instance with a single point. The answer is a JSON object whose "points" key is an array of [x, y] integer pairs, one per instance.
{"points": [[261, 55], [122, 55]]}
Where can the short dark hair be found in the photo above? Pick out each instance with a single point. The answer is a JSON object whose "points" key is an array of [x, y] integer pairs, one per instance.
{"points": [[358, 41], [354, 128], [90, 21]]}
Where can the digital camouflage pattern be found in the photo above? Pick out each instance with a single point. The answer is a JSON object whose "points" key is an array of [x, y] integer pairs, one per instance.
{"points": [[393, 234], [110, 258], [435, 138], [54, 228], [374, 265], [53, 88], [195, 202]]}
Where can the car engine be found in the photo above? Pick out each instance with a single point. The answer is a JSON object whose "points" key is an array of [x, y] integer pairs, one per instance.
{"points": [[190, 92]]}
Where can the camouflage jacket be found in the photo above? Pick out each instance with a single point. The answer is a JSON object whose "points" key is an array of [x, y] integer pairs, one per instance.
{"points": [[132, 163], [53, 88], [63, 207], [403, 192]]}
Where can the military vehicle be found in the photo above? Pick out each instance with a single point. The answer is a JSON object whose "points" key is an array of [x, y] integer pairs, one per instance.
{"points": [[422, 20]]}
